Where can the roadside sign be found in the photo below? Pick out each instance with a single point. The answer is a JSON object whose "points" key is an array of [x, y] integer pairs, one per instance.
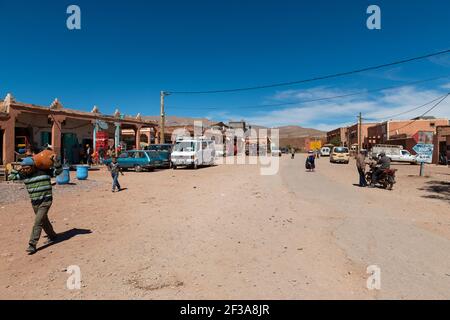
{"points": [[315, 145], [424, 152]]}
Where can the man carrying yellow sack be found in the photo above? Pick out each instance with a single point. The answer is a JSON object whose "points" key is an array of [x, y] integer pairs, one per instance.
{"points": [[39, 187]]}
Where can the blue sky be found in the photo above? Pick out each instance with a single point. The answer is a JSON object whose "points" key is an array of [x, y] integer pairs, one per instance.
{"points": [[127, 51]]}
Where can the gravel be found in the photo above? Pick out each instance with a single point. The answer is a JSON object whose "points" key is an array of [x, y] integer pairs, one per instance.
{"points": [[11, 192]]}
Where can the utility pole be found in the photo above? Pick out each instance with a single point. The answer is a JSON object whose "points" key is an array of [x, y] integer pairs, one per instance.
{"points": [[162, 120], [359, 132]]}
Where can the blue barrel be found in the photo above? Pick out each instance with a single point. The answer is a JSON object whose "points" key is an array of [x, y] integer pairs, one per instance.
{"points": [[64, 177], [82, 172]]}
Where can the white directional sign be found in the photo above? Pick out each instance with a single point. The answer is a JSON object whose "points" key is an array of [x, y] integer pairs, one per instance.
{"points": [[424, 152]]}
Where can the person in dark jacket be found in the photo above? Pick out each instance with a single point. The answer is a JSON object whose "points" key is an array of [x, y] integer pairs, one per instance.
{"points": [[310, 161], [39, 187], [361, 166], [384, 163]]}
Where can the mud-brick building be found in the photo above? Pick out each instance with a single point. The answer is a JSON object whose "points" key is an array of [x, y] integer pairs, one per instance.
{"points": [[387, 131], [67, 130], [442, 145], [338, 134]]}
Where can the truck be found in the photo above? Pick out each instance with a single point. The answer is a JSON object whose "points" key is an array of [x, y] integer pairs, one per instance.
{"points": [[395, 152]]}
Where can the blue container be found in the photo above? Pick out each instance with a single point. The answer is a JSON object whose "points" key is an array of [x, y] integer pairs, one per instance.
{"points": [[64, 177], [82, 172]]}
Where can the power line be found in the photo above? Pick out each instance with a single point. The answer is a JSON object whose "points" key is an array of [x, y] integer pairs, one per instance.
{"points": [[423, 114], [319, 99], [407, 111], [281, 84]]}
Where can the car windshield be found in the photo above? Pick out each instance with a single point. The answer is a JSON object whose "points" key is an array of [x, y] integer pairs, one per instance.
{"points": [[184, 146], [156, 147], [340, 150]]}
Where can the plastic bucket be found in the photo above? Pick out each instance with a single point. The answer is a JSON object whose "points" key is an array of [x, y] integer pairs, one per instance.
{"points": [[82, 172], [64, 177]]}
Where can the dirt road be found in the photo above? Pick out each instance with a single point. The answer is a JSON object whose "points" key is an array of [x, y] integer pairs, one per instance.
{"points": [[226, 232]]}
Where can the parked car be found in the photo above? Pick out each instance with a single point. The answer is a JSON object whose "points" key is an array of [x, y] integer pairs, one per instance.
{"points": [[138, 160], [160, 154], [284, 150], [340, 154], [325, 151], [193, 152]]}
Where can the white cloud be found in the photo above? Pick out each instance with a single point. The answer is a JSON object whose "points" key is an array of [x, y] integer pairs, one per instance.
{"points": [[330, 114]]}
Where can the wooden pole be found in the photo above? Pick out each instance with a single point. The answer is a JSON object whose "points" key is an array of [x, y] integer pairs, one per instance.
{"points": [[162, 121]]}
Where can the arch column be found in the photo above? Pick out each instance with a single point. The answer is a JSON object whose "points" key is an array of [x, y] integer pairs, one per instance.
{"points": [[57, 133], [137, 136]]}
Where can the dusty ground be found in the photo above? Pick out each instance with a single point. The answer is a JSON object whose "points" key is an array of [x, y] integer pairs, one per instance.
{"points": [[226, 232]]}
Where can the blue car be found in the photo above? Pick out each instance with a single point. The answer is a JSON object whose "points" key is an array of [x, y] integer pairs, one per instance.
{"points": [[138, 160], [160, 155]]}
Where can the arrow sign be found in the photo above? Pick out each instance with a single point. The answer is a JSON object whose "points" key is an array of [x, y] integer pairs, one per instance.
{"points": [[424, 152]]}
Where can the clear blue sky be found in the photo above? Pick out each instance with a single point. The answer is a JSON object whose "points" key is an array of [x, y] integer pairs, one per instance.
{"points": [[127, 51]]}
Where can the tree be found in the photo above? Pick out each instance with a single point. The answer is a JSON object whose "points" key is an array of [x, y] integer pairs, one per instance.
{"points": [[336, 141]]}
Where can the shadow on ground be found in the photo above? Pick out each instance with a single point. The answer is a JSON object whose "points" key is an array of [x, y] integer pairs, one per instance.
{"points": [[66, 235], [437, 190]]}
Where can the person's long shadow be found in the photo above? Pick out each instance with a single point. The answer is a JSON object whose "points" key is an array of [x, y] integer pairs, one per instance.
{"points": [[66, 235]]}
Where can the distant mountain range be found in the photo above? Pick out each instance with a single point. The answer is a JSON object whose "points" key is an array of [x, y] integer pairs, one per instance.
{"points": [[289, 135], [285, 131]]}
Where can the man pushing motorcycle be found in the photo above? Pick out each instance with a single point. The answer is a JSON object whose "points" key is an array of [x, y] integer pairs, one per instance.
{"points": [[383, 163]]}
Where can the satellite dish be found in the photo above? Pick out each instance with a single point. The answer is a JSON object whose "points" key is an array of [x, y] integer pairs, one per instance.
{"points": [[102, 124]]}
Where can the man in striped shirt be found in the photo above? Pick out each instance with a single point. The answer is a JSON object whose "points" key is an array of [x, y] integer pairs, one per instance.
{"points": [[39, 188]]}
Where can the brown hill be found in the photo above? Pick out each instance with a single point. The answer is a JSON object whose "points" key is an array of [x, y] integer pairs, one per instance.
{"points": [[299, 132], [179, 121], [294, 136]]}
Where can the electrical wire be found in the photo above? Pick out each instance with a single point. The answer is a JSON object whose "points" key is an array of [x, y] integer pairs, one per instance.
{"points": [[317, 99], [423, 114], [405, 112], [281, 84]]}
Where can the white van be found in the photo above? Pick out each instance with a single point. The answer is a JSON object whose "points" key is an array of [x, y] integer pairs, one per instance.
{"points": [[325, 151], [193, 152]]}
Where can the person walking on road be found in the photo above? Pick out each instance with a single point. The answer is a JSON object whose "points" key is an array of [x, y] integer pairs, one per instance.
{"points": [[115, 169], [310, 161], [292, 153], [361, 166], [39, 187]]}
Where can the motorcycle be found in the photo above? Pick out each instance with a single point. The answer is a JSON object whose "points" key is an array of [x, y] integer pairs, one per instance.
{"points": [[386, 179]]}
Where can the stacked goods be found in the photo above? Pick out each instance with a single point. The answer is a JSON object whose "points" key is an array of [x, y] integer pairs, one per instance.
{"points": [[44, 160], [102, 139]]}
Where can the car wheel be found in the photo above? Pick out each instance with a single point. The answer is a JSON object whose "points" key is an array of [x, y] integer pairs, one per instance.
{"points": [[138, 168]]}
